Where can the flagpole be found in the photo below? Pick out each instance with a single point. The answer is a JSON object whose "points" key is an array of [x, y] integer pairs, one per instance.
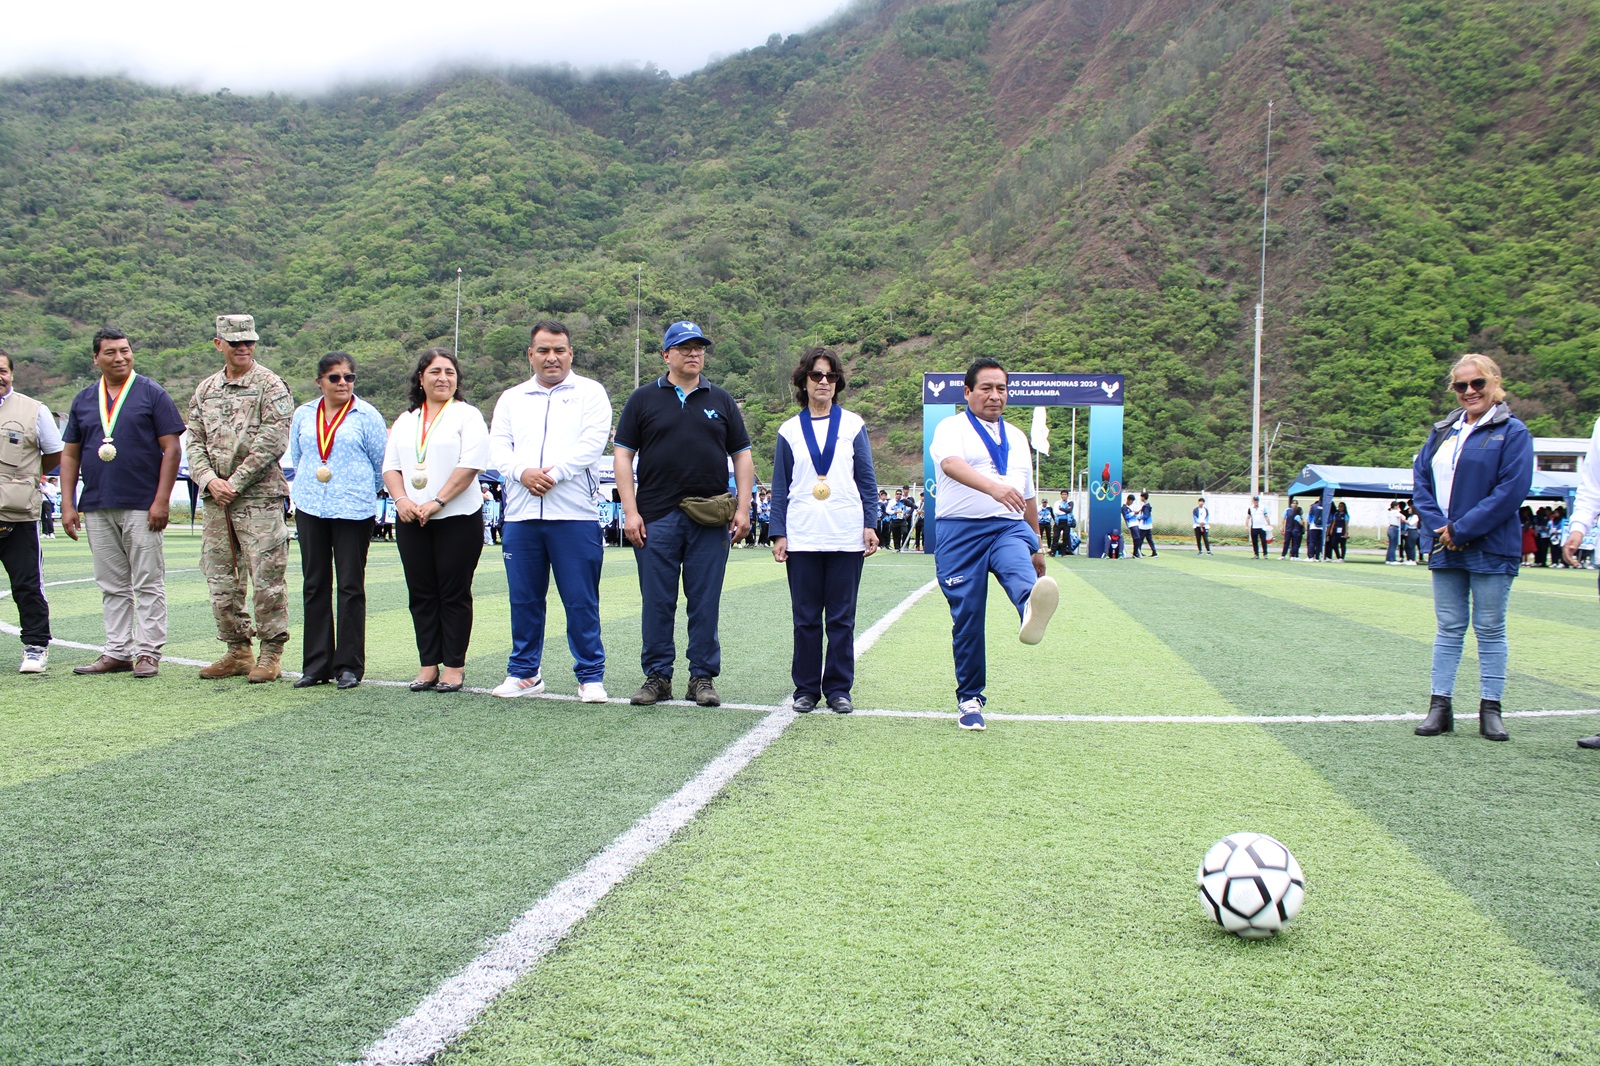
{"points": [[458, 312], [1255, 407]]}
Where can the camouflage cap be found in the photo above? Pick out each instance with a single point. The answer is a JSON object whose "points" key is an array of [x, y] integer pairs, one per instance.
{"points": [[236, 328]]}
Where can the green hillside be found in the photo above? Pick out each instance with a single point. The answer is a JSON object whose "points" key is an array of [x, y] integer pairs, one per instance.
{"points": [[1065, 185]]}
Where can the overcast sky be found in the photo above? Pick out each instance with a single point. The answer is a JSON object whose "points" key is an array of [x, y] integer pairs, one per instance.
{"points": [[305, 44]]}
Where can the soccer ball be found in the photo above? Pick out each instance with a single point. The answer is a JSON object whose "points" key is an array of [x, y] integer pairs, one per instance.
{"points": [[1251, 885]]}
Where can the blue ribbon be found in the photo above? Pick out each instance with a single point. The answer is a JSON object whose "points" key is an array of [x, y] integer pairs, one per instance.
{"points": [[821, 458], [999, 454]]}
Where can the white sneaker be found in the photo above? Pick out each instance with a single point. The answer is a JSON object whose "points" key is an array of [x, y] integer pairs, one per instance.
{"points": [[1037, 611], [35, 657], [591, 692], [969, 714], [519, 686]]}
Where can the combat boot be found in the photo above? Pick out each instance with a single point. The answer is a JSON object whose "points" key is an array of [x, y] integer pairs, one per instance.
{"points": [[268, 665], [234, 664]]}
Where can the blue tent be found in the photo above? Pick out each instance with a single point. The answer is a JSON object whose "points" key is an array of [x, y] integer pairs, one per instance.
{"points": [[1392, 482]]}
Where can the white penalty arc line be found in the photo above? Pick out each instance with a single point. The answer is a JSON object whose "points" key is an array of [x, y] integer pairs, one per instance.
{"points": [[447, 1012]]}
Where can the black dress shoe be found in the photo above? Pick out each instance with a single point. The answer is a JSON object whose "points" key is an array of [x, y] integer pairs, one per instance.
{"points": [[307, 680], [1439, 719], [457, 687], [805, 704], [424, 686], [348, 679], [840, 705], [1490, 723], [1590, 742]]}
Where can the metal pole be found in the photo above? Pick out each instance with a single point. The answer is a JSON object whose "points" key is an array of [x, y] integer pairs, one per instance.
{"points": [[1255, 409], [458, 313], [638, 318], [1072, 454]]}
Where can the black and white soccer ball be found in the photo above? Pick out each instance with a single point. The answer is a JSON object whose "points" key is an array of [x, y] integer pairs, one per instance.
{"points": [[1251, 885]]}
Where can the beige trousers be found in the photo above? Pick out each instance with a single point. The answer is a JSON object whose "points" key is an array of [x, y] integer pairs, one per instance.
{"points": [[130, 568]]}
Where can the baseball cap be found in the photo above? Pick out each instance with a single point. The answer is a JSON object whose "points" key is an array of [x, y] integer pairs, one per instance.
{"points": [[679, 332], [236, 328]]}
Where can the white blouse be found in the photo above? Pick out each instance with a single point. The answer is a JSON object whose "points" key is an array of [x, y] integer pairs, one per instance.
{"points": [[458, 437]]}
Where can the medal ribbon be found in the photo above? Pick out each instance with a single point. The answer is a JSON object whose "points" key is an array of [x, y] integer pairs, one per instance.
{"points": [[326, 431], [109, 413], [999, 454], [425, 427], [822, 458]]}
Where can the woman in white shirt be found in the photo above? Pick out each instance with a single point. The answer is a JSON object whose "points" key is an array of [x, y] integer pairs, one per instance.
{"points": [[824, 519], [435, 452]]}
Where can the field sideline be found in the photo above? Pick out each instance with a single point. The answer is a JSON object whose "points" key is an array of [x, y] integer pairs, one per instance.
{"points": [[206, 873]]}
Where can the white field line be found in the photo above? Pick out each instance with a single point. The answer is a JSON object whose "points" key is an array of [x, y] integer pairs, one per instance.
{"points": [[1204, 719], [450, 1010]]}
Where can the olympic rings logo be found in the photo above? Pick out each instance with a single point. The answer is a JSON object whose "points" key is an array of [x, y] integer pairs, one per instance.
{"points": [[1106, 490]]}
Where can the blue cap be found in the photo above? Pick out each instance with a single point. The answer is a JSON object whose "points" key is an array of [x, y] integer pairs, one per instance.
{"points": [[679, 332]]}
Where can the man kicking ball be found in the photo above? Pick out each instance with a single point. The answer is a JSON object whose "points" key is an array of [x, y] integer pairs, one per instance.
{"points": [[988, 523]]}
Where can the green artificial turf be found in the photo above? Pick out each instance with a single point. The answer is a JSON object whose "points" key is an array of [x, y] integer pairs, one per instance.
{"points": [[282, 889], [898, 891]]}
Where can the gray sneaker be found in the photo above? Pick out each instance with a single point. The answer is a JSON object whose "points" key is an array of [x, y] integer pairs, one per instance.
{"points": [[35, 657], [703, 692], [654, 689]]}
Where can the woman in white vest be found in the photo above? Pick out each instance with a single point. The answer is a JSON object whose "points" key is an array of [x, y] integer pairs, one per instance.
{"points": [[824, 525]]}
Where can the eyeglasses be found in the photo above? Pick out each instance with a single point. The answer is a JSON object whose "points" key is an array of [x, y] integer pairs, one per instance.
{"points": [[1476, 385], [338, 379], [819, 376]]}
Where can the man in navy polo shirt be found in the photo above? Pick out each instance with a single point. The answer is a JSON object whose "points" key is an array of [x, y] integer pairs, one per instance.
{"points": [[121, 436], [683, 429]]}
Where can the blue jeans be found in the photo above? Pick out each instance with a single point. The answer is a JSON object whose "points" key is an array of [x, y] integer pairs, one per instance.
{"points": [[675, 546], [1393, 555], [572, 550], [1488, 593]]}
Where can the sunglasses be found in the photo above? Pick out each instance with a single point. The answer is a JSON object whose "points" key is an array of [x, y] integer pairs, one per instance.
{"points": [[338, 379], [240, 344], [819, 376], [1476, 385]]}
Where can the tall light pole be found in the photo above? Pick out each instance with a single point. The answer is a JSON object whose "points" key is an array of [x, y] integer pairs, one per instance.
{"points": [[1261, 300], [638, 318]]}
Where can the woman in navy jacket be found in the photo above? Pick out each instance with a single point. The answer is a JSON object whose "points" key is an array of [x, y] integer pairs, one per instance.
{"points": [[1470, 478]]}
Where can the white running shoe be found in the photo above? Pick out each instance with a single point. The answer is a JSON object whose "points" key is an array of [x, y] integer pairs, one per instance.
{"points": [[1037, 611], [591, 692], [969, 714], [519, 686], [35, 657]]}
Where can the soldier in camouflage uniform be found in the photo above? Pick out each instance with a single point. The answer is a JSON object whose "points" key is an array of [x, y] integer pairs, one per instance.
{"points": [[238, 430]]}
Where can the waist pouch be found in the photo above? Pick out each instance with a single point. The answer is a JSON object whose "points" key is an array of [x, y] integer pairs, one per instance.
{"points": [[710, 510]]}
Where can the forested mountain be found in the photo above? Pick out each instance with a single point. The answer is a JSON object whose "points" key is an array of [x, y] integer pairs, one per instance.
{"points": [[1064, 184]]}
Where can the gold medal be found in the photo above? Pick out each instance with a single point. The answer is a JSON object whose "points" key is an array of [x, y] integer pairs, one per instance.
{"points": [[422, 466], [821, 491], [420, 481], [324, 474], [107, 452]]}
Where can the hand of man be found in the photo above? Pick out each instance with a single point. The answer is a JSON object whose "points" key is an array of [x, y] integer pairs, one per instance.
{"points": [[1569, 550], [780, 549], [69, 519], [537, 480], [222, 491], [739, 528], [1007, 497], [633, 529], [1038, 564], [160, 515], [1445, 540], [869, 539]]}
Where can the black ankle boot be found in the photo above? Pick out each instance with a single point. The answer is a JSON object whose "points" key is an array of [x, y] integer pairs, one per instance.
{"points": [[1489, 721], [1439, 720]]}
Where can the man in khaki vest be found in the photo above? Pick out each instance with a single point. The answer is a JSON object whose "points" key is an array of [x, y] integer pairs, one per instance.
{"points": [[238, 430], [30, 446]]}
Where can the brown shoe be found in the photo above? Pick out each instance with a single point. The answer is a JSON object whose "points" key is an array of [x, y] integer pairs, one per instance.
{"points": [[146, 666], [268, 665], [104, 665], [236, 663]]}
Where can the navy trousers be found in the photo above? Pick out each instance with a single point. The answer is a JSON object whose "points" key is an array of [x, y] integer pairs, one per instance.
{"points": [[677, 547], [822, 592], [572, 550], [969, 550]]}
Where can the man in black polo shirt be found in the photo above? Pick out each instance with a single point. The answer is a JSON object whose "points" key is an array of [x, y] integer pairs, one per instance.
{"points": [[683, 430], [122, 436]]}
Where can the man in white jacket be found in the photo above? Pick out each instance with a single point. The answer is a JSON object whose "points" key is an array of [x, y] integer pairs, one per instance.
{"points": [[1584, 512], [546, 436]]}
